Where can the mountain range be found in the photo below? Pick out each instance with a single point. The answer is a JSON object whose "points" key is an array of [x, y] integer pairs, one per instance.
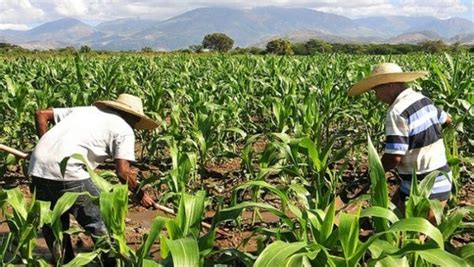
{"points": [[248, 27]]}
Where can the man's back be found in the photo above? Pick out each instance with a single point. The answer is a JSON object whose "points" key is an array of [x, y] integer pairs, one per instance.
{"points": [[413, 129], [95, 133]]}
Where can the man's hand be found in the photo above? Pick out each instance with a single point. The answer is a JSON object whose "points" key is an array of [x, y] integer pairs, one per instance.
{"points": [[390, 161], [448, 122], [42, 119], [146, 201], [126, 176]]}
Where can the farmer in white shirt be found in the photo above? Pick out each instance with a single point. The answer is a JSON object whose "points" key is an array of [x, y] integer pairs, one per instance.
{"points": [[102, 131]]}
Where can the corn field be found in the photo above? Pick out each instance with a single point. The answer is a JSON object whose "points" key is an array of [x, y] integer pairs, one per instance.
{"points": [[298, 142]]}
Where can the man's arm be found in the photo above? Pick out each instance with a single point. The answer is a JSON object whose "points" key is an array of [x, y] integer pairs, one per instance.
{"points": [[42, 119], [448, 122], [126, 176], [390, 161]]}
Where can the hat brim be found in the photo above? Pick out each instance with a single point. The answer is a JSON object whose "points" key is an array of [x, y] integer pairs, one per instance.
{"points": [[144, 123], [373, 81]]}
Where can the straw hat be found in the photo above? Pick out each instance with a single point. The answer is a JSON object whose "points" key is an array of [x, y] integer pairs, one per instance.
{"points": [[383, 74], [132, 105]]}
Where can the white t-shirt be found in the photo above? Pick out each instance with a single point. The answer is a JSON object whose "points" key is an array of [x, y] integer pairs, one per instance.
{"points": [[95, 133]]}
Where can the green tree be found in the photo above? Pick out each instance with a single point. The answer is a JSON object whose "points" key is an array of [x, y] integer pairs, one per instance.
{"points": [[314, 46], [218, 42], [434, 46], [299, 49], [85, 49], [196, 48], [147, 49], [279, 47]]}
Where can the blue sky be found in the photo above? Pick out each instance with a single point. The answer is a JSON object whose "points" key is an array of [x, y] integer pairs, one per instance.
{"points": [[24, 14]]}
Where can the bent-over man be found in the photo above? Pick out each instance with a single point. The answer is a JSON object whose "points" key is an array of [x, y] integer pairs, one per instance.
{"points": [[98, 132]]}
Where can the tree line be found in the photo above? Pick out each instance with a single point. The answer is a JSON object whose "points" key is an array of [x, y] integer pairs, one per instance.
{"points": [[222, 43]]}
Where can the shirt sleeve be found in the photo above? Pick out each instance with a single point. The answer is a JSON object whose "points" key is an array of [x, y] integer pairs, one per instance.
{"points": [[396, 134], [124, 147], [61, 113], [442, 116]]}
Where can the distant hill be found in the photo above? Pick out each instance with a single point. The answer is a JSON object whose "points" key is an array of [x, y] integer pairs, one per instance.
{"points": [[465, 38], [246, 26], [389, 26], [65, 30], [415, 37], [126, 26], [304, 36], [447, 28]]}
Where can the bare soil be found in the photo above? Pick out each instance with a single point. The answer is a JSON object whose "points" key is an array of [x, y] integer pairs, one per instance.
{"points": [[221, 178]]}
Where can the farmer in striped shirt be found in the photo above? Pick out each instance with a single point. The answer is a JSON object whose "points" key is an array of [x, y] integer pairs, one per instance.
{"points": [[413, 131]]}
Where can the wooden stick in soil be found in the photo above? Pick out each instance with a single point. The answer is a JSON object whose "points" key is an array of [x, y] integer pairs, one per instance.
{"points": [[204, 224], [13, 151]]}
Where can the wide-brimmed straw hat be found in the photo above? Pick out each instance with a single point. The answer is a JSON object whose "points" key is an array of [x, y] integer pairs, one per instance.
{"points": [[383, 74], [132, 105]]}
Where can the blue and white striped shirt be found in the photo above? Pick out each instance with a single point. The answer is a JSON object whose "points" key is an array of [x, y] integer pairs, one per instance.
{"points": [[413, 129]]}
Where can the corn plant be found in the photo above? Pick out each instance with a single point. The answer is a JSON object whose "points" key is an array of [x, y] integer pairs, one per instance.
{"points": [[23, 221], [317, 240]]}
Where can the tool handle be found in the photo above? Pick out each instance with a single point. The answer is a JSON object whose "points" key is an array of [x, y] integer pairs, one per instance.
{"points": [[13, 151]]}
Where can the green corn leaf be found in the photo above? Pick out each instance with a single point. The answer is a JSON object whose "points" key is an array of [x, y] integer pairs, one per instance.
{"points": [[206, 242], [379, 187], [442, 258], [3, 198], [5, 245], [190, 212], [10, 160], [349, 233], [231, 213], [419, 225], [83, 259], [377, 178], [278, 253], [45, 212], [452, 222], [100, 182], [328, 222], [11, 86], [114, 208], [174, 229], [63, 204], [155, 230], [467, 253], [283, 196], [312, 153], [381, 246], [380, 212], [303, 195], [298, 260], [184, 251], [238, 131], [427, 183], [16, 201], [150, 263]]}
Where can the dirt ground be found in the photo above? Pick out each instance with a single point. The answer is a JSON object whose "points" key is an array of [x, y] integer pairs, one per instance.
{"points": [[221, 179]]}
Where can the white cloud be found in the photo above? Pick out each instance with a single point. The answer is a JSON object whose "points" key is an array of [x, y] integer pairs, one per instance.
{"points": [[11, 26], [73, 8], [27, 12], [16, 12], [436, 8]]}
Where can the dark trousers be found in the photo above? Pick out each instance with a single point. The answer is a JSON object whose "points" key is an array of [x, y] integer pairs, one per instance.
{"points": [[84, 210]]}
